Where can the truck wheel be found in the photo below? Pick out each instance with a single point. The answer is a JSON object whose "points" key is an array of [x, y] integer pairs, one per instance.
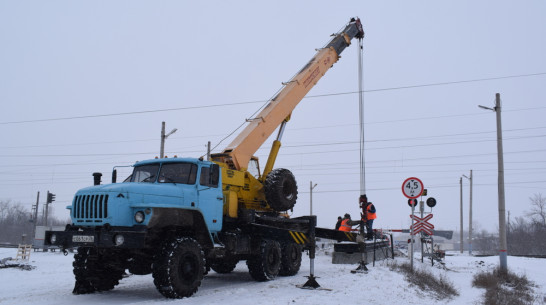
{"points": [[179, 268], [281, 189], [290, 259], [225, 266], [266, 265], [96, 270]]}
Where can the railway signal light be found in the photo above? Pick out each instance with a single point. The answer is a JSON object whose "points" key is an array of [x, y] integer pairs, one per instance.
{"points": [[431, 202], [50, 197], [412, 202]]}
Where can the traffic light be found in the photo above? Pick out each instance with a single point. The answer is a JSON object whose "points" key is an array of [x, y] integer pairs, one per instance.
{"points": [[431, 202], [412, 202], [50, 197]]}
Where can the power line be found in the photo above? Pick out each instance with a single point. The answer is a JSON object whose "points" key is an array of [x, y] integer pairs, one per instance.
{"points": [[293, 129], [265, 148], [264, 101], [429, 186]]}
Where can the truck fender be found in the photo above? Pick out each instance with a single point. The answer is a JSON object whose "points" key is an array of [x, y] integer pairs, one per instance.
{"points": [[188, 222]]}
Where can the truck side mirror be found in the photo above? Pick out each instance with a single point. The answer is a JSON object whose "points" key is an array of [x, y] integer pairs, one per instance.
{"points": [[214, 175], [114, 175]]}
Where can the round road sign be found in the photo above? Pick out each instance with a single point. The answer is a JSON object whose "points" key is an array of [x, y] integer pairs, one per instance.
{"points": [[412, 188]]}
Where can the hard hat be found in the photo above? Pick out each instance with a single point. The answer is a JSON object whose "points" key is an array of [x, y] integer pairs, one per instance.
{"points": [[347, 216]]}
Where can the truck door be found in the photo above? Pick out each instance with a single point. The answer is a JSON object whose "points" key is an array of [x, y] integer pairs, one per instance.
{"points": [[211, 201]]}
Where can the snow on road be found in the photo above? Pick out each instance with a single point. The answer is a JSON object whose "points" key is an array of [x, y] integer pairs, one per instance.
{"points": [[51, 282]]}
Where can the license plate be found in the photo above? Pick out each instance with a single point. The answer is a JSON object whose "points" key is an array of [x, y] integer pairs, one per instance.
{"points": [[83, 239]]}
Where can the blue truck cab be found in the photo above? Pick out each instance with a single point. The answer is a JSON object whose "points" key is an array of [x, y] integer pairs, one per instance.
{"points": [[160, 197]]}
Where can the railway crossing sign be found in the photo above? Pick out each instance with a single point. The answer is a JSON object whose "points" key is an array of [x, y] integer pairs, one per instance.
{"points": [[412, 188], [422, 224]]}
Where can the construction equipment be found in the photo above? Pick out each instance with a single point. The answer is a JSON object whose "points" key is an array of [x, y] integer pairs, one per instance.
{"points": [[177, 218]]}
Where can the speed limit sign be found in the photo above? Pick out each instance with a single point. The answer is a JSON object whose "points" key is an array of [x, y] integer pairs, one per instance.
{"points": [[412, 188]]}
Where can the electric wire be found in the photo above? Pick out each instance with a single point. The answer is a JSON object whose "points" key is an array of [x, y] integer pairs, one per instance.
{"points": [[261, 101]]}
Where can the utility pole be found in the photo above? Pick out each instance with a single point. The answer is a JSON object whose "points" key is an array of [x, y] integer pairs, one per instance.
{"points": [[46, 208], [461, 227], [470, 215], [163, 137], [503, 255], [208, 151], [49, 199], [35, 215], [311, 187], [508, 226]]}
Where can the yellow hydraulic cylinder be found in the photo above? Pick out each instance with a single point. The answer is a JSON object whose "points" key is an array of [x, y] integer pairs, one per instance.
{"points": [[271, 159]]}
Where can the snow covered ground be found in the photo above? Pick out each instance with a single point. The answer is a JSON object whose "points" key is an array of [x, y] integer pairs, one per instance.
{"points": [[51, 282]]}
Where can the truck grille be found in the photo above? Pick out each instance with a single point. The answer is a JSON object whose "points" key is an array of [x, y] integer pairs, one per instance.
{"points": [[90, 207]]}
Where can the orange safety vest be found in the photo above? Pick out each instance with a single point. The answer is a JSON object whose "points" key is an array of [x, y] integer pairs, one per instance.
{"points": [[370, 214], [344, 226]]}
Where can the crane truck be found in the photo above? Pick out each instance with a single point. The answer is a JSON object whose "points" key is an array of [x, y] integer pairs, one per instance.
{"points": [[177, 218]]}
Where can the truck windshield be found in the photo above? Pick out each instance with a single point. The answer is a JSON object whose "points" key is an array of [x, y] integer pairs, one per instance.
{"points": [[145, 173], [178, 173]]}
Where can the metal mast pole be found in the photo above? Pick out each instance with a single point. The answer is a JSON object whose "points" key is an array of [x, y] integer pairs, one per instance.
{"points": [[361, 119], [470, 217], [502, 209], [311, 187], [162, 148], [461, 237], [36, 215], [46, 208], [163, 137]]}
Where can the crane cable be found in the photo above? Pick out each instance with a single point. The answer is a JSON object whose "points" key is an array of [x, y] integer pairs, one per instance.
{"points": [[361, 119]]}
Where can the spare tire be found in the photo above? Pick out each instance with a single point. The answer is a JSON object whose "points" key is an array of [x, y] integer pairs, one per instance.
{"points": [[281, 190]]}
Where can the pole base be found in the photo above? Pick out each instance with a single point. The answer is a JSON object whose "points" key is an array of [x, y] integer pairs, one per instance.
{"points": [[361, 268], [311, 283]]}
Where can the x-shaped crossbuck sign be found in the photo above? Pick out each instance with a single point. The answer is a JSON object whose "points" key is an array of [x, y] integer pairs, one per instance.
{"points": [[421, 224]]}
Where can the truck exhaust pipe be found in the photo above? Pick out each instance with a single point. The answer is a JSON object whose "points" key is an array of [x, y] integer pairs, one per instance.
{"points": [[96, 178]]}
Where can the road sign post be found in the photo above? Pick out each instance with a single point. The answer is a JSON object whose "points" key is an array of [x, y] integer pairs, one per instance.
{"points": [[411, 237], [412, 188]]}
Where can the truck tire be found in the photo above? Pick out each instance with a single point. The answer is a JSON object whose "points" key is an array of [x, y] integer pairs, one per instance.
{"points": [[281, 189], [96, 270], [225, 266], [179, 268], [265, 266], [290, 259]]}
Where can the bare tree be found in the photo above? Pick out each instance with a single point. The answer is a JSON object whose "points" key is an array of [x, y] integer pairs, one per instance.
{"points": [[538, 208], [16, 221]]}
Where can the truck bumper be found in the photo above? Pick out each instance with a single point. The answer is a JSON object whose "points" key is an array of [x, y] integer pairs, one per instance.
{"points": [[123, 238]]}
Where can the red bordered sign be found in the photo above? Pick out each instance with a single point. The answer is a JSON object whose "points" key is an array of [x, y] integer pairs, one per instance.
{"points": [[412, 188]]}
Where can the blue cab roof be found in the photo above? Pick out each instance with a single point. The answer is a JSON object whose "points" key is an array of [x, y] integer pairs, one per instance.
{"points": [[170, 160]]}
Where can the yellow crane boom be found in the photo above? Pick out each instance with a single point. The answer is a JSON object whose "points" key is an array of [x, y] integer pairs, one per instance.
{"points": [[278, 110]]}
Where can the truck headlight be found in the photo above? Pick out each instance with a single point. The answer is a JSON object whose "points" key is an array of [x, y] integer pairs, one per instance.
{"points": [[139, 216], [119, 239], [53, 238]]}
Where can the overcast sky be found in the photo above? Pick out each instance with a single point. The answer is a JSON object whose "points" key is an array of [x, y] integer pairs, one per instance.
{"points": [[85, 85]]}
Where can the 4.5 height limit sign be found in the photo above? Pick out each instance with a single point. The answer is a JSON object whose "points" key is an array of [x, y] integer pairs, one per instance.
{"points": [[412, 188]]}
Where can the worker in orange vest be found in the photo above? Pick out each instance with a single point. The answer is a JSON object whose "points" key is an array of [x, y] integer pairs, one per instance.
{"points": [[369, 216], [344, 223], [347, 223]]}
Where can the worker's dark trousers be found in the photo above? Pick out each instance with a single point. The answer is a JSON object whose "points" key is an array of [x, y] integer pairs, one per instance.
{"points": [[369, 229]]}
